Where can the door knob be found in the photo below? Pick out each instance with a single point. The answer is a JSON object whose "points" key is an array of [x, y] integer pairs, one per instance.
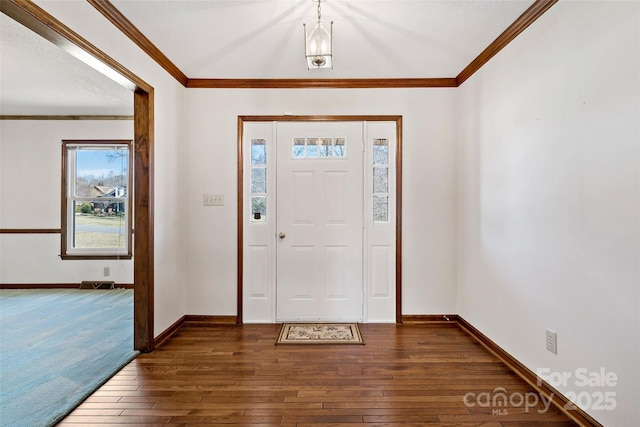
{"points": [[282, 235]]}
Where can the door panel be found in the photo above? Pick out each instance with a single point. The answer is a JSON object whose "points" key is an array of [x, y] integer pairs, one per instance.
{"points": [[303, 196], [320, 219]]}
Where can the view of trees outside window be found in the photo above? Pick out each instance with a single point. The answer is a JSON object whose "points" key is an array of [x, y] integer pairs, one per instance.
{"points": [[381, 180], [258, 180], [100, 192], [319, 147]]}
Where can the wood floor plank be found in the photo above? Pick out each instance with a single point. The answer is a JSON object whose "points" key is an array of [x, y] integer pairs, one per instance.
{"points": [[71, 423], [400, 412], [404, 375]]}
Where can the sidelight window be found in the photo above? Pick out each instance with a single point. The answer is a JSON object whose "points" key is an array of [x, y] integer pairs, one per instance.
{"points": [[258, 180], [380, 173]]}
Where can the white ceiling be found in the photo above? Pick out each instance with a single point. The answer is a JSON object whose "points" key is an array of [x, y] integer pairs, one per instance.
{"points": [[372, 38], [256, 39], [39, 78]]}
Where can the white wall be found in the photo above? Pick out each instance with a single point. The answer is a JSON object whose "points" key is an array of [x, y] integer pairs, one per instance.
{"points": [[169, 206], [429, 187], [549, 198], [30, 176]]}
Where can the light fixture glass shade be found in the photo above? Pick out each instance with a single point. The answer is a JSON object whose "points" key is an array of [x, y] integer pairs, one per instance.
{"points": [[318, 46]]}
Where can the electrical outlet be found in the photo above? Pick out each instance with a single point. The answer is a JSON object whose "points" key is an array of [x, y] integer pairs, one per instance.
{"points": [[213, 200], [106, 271], [552, 341]]}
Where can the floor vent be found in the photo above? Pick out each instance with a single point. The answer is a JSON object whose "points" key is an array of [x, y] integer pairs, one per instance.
{"points": [[96, 284]]}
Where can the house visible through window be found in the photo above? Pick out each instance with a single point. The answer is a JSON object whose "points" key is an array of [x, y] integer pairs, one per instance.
{"points": [[96, 207]]}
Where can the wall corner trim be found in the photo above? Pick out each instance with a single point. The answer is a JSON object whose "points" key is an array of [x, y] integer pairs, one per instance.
{"points": [[169, 332], [193, 320], [421, 319]]}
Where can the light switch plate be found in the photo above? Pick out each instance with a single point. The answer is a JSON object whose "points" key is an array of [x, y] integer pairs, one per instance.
{"points": [[213, 200]]}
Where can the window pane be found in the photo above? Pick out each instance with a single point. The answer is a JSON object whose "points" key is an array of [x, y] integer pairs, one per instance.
{"points": [[100, 224], [380, 180], [340, 148], [319, 147], [380, 208], [258, 180], [96, 204], [102, 172], [326, 150], [380, 152], [313, 147], [258, 208], [258, 152], [298, 147]]}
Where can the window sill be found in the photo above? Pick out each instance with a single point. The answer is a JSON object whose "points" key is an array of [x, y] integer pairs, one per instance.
{"points": [[89, 256]]}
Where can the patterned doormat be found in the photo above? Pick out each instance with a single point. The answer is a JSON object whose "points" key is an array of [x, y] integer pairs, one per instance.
{"points": [[319, 333]]}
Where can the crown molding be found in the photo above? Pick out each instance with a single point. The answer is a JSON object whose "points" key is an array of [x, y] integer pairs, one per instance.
{"points": [[527, 18], [319, 83], [106, 8]]}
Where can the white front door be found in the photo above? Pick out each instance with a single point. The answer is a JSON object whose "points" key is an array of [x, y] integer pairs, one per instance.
{"points": [[319, 221]]}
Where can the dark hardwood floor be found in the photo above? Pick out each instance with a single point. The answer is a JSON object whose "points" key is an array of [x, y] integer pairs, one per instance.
{"points": [[405, 375]]}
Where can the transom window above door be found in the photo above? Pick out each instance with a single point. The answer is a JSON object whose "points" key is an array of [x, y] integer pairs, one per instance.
{"points": [[319, 147]]}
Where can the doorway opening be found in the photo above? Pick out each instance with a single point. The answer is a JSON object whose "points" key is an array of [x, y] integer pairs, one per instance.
{"points": [[38, 20]]}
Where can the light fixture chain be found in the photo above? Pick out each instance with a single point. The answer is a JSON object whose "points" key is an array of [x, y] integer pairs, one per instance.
{"points": [[319, 10]]}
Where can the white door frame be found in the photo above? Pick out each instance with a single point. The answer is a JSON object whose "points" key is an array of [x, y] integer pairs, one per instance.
{"points": [[243, 193]]}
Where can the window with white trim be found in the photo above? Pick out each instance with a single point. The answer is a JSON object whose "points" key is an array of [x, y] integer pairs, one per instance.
{"points": [[96, 204]]}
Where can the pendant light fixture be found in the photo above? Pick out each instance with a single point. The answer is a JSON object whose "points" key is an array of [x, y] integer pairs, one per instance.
{"points": [[318, 44]]}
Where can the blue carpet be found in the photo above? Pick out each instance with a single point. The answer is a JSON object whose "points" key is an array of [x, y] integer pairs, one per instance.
{"points": [[58, 346]]}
